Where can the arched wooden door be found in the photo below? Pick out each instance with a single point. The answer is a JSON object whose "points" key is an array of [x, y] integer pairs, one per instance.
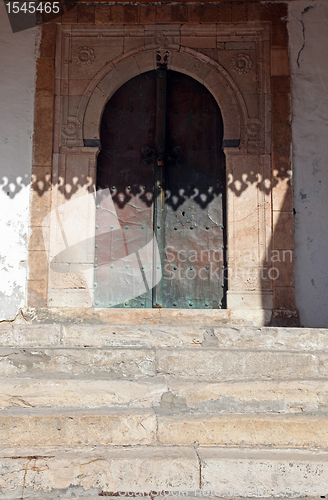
{"points": [[160, 235]]}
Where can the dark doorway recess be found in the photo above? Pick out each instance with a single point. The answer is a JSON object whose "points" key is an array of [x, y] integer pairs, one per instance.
{"points": [[160, 218]]}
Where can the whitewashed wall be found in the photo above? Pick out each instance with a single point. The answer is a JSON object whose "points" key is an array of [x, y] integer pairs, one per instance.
{"points": [[17, 86], [308, 29]]}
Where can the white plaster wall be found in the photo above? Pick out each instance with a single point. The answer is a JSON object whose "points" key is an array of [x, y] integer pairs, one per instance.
{"points": [[309, 65], [17, 87]]}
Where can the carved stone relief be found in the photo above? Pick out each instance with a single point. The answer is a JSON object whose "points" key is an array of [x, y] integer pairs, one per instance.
{"points": [[253, 130], [84, 56], [162, 59], [72, 132], [242, 64], [162, 39], [239, 55]]}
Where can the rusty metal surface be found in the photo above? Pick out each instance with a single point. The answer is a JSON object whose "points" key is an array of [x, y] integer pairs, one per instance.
{"points": [[194, 184], [161, 170]]}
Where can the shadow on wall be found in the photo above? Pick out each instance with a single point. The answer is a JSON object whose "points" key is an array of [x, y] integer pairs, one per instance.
{"points": [[277, 266], [40, 184], [12, 184]]}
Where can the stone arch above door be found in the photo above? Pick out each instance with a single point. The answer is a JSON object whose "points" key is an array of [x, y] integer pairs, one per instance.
{"points": [[191, 62], [234, 72]]}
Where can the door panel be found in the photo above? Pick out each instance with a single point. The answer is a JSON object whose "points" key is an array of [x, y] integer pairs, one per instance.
{"points": [[125, 177], [194, 182], [160, 171]]}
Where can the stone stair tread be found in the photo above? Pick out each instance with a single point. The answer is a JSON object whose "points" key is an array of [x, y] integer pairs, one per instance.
{"points": [[162, 452], [162, 335], [81, 392], [171, 393], [163, 496], [91, 470], [200, 363], [86, 472]]}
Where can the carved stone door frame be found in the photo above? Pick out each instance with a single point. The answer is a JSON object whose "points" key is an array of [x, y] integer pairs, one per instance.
{"points": [[233, 62]]}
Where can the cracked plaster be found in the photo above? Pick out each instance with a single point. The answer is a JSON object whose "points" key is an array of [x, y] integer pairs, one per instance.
{"points": [[309, 53], [18, 57]]}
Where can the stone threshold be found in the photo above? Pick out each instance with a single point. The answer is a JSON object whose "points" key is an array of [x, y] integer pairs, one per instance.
{"points": [[129, 316]]}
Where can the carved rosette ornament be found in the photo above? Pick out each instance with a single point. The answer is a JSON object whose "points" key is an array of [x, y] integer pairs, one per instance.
{"points": [[242, 64], [246, 280], [252, 134], [84, 56], [72, 132], [253, 127], [253, 131]]}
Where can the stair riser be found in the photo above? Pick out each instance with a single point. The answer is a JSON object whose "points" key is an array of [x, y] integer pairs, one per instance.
{"points": [[143, 427], [55, 335], [214, 364], [74, 428], [200, 364], [106, 335], [281, 431], [252, 396], [168, 393], [85, 473], [27, 393], [70, 363]]}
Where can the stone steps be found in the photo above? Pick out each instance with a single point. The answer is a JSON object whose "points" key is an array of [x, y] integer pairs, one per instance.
{"points": [[87, 472], [86, 409]]}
